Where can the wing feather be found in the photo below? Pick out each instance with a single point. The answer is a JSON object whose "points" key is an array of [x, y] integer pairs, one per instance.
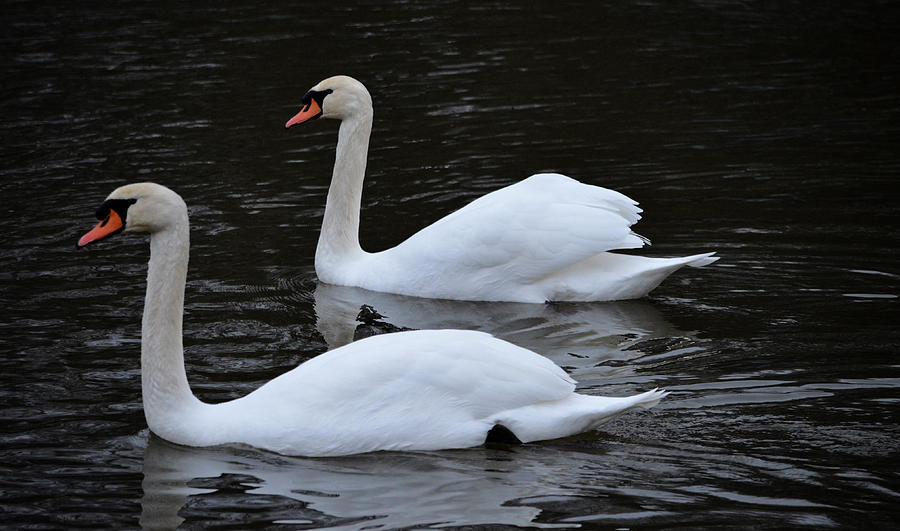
{"points": [[432, 374], [530, 229]]}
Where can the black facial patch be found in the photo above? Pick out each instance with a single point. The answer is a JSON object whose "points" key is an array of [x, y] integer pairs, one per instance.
{"points": [[318, 95], [119, 205]]}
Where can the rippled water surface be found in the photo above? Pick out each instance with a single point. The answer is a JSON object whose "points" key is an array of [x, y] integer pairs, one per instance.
{"points": [[767, 131]]}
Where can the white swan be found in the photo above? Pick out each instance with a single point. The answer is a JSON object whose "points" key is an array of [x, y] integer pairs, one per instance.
{"points": [[543, 239], [421, 390]]}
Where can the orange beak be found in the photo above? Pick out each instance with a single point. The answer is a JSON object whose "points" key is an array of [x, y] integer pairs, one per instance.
{"points": [[312, 110], [109, 226]]}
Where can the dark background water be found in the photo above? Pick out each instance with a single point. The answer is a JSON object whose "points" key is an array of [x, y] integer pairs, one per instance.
{"points": [[768, 131]]}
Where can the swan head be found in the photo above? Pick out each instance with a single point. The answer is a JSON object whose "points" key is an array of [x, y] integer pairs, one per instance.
{"points": [[338, 97], [139, 207]]}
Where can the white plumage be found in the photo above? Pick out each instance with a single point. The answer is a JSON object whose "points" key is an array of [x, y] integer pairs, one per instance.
{"points": [[546, 238], [419, 390]]}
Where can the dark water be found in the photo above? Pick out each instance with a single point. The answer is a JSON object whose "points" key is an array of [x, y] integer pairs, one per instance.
{"points": [[768, 131]]}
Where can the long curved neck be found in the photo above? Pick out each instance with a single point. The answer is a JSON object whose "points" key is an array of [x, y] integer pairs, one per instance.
{"points": [[339, 239], [166, 393]]}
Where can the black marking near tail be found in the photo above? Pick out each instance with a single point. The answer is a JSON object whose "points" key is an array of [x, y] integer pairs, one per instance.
{"points": [[501, 435]]}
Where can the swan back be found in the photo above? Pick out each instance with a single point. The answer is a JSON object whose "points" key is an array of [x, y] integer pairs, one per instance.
{"points": [[424, 389]]}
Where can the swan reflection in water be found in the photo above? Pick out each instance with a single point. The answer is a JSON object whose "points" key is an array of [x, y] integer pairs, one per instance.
{"points": [[590, 340], [386, 490]]}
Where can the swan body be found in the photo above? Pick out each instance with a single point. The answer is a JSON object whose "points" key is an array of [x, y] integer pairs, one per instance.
{"points": [[417, 390], [546, 238]]}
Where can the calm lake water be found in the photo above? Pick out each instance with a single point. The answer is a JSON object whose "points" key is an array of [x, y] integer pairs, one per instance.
{"points": [[768, 131]]}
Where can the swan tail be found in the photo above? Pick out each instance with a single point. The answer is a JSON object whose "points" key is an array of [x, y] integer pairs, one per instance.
{"points": [[608, 408], [700, 260], [575, 414], [614, 276], [650, 398]]}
